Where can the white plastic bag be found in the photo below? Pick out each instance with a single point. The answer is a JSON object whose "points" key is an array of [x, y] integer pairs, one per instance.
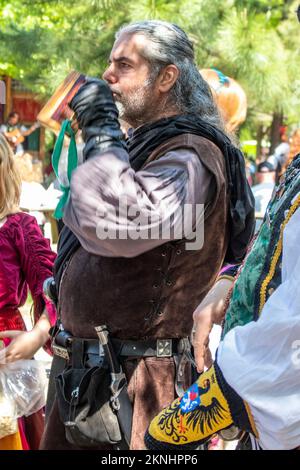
{"points": [[25, 384], [8, 419]]}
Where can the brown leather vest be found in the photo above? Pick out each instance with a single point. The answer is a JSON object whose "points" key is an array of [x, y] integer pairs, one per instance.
{"points": [[154, 294]]}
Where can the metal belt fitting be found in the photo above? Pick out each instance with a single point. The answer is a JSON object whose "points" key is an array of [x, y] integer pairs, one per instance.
{"points": [[164, 348], [60, 351]]}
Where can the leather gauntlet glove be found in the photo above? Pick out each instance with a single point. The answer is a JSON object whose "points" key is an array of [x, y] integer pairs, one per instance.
{"points": [[208, 406], [97, 116]]}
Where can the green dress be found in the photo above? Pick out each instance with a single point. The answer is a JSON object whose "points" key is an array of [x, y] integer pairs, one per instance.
{"points": [[260, 273]]}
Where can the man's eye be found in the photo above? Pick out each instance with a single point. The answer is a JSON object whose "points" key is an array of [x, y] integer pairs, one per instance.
{"points": [[124, 65]]}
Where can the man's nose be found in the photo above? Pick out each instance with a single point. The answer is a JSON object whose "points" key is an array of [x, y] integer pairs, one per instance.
{"points": [[109, 75]]}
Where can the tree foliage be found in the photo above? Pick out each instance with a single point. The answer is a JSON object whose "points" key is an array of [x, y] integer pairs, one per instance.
{"points": [[255, 41]]}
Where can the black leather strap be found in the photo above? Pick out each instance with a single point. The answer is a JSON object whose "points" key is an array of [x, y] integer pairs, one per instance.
{"points": [[148, 348], [128, 348], [123, 348]]}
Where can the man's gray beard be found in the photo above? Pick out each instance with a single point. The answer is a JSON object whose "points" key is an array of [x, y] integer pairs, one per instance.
{"points": [[120, 109], [137, 106]]}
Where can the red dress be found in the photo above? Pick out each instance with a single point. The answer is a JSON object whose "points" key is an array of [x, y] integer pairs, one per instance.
{"points": [[26, 260]]}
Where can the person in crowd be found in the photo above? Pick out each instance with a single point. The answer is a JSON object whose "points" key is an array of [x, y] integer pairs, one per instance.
{"points": [[15, 132], [263, 189], [145, 288], [26, 261]]}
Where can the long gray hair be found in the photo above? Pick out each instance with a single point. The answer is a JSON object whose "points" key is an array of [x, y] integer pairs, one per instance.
{"points": [[169, 44]]}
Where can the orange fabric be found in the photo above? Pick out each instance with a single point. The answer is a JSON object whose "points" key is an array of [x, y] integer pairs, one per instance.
{"points": [[12, 442]]}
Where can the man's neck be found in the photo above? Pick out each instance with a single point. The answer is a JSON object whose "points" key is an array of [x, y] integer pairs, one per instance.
{"points": [[166, 114], [155, 118]]}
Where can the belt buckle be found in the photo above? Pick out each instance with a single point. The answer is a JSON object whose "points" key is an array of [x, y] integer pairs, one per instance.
{"points": [[164, 348], [60, 351]]}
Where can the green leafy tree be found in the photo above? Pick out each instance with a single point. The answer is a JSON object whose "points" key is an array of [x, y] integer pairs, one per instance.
{"points": [[254, 41]]}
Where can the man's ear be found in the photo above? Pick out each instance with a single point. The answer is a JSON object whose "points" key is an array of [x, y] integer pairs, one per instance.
{"points": [[167, 78]]}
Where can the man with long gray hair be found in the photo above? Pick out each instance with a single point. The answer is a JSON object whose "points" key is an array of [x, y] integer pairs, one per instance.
{"points": [[149, 222]]}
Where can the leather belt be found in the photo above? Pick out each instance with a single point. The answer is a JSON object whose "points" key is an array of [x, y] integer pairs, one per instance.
{"points": [[62, 346], [148, 348], [179, 348]]}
